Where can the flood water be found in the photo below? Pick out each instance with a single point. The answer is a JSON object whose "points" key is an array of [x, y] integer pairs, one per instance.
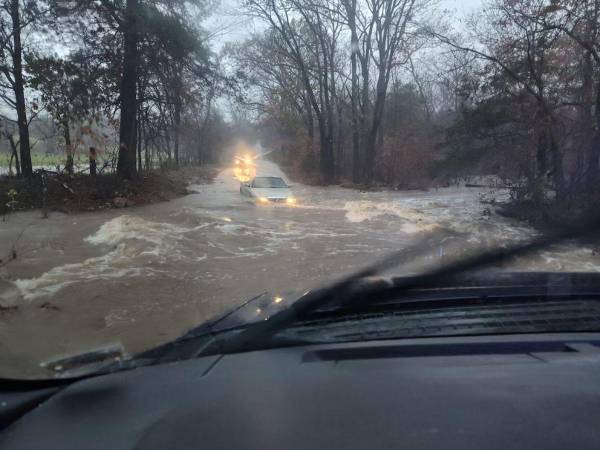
{"points": [[141, 276]]}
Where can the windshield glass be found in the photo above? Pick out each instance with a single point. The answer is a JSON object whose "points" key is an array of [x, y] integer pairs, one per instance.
{"points": [[269, 182], [132, 134]]}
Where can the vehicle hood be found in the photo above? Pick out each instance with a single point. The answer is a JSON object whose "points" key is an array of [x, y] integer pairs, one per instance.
{"points": [[271, 192], [483, 284], [373, 293]]}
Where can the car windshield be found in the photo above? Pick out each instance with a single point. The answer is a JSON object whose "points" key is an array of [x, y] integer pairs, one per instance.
{"points": [[137, 136], [269, 182]]}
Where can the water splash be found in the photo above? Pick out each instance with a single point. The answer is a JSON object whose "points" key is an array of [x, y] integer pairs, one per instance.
{"points": [[136, 245], [113, 265]]}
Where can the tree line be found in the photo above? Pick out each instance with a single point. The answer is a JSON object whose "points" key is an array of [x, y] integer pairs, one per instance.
{"points": [[372, 91], [140, 67], [325, 61], [396, 91]]}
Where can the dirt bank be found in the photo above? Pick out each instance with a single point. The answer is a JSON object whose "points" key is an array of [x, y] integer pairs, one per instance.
{"points": [[81, 192]]}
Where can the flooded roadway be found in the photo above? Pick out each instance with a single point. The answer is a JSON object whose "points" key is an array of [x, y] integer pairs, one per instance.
{"points": [[142, 276]]}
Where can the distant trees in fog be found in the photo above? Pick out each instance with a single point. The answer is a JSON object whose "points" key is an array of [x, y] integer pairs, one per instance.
{"points": [[393, 91], [141, 66]]}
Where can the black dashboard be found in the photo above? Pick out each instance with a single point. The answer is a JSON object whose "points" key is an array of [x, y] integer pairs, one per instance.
{"points": [[514, 391]]}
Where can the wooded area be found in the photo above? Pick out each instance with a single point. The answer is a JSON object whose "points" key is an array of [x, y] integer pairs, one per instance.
{"points": [[399, 92], [393, 92], [140, 68]]}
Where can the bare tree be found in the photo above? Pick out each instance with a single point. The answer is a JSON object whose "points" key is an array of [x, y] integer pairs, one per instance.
{"points": [[525, 53], [15, 17], [310, 45]]}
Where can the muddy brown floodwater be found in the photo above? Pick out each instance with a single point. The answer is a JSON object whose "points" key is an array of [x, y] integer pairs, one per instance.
{"points": [[142, 276]]}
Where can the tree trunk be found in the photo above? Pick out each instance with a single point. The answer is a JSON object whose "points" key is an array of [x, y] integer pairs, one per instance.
{"points": [[362, 123], [541, 168], [177, 113], [340, 155], [326, 150], [18, 87], [126, 166], [93, 161], [177, 122], [594, 150], [329, 167], [593, 154], [371, 138], [140, 123], [147, 155], [168, 145], [14, 155], [356, 157], [326, 162], [68, 148], [369, 156], [558, 175], [310, 123], [139, 140]]}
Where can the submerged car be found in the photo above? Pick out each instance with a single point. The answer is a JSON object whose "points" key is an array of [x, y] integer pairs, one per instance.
{"points": [[266, 190]]}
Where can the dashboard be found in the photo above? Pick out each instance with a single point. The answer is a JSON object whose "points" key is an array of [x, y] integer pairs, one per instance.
{"points": [[538, 391]]}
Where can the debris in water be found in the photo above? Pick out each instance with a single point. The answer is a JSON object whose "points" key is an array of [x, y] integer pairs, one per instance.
{"points": [[49, 306], [120, 202], [66, 186], [4, 308]]}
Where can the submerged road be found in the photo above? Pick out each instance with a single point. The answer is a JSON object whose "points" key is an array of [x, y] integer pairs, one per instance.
{"points": [[144, 275]]}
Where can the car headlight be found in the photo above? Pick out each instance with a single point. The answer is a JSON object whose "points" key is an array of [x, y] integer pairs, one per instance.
{"points": [[291, 201], [263, 199]]}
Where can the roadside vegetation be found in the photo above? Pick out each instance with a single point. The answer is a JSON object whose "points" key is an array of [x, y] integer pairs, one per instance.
{"points": [[138, 80], [118, 114], [364, 93], [399, 93], [76, 193]]}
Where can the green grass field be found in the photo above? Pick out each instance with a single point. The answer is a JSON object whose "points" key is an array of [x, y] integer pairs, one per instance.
{"points": [[37, 159]]}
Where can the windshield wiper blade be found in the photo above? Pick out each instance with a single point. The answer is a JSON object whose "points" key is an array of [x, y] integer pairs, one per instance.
{"points": [[258, 333]]}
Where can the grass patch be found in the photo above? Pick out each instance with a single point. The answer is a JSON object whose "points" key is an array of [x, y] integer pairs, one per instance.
{"points": [[38, 159]]}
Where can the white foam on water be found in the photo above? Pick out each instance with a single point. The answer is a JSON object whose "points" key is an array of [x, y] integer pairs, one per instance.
{"points": [[136, 247], [135, 243], [570, 259], [236, 229], [104, 267], [413, 228], [361, 210], [131, 227]]}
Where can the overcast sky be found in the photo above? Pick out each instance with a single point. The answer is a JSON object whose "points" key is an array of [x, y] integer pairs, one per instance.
{"points": [[227, 25]]}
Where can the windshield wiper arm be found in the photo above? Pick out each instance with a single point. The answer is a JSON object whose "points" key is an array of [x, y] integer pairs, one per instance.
{"points": [[261, 331]]}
